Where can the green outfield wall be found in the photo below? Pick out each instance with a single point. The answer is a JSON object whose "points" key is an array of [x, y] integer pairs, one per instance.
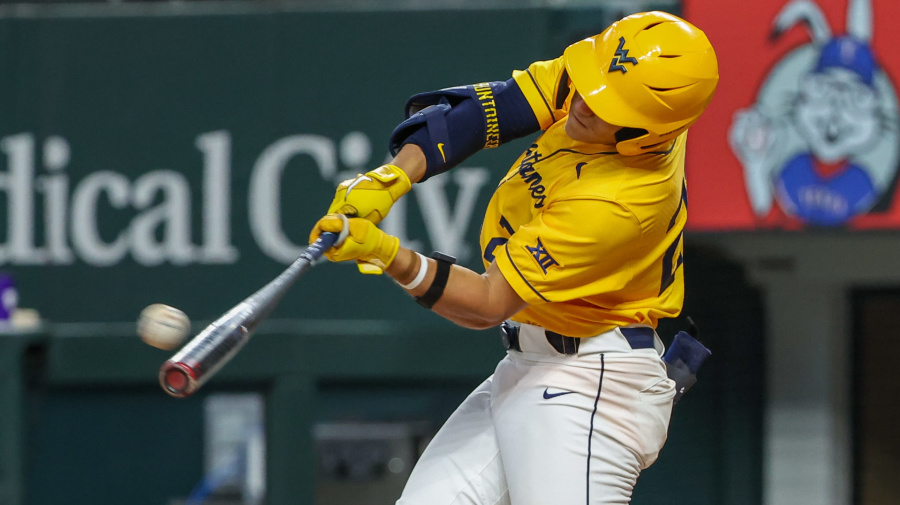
{"points": [[179, 153], [184, 158]]}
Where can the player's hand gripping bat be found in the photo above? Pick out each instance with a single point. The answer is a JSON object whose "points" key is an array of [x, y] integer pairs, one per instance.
{"points": [[206, 353]]}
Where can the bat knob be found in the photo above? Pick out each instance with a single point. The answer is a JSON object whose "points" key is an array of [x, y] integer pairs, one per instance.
{"points": [[177, 379]]}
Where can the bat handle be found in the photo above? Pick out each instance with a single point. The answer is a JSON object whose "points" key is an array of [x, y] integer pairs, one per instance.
{"points": [[315, 250]]}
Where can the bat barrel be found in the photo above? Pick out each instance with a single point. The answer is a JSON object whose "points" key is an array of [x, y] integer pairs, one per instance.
{"points": [[177, 379], [186, 371]]}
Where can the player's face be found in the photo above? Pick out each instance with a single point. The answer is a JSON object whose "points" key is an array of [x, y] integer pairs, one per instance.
{"points": [[584, 126]]}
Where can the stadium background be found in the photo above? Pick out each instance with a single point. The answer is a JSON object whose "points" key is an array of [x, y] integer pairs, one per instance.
{"points": [[178, 152]]}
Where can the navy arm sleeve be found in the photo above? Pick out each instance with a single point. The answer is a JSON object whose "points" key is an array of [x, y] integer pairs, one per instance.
{"points": [[454, 123]]}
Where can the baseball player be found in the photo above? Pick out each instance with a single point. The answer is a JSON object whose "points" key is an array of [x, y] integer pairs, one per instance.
{"points": [[582, 246]]}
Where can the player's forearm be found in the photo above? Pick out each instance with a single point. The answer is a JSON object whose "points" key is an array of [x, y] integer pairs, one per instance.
{"points": [[411, 160], [470, 300]]}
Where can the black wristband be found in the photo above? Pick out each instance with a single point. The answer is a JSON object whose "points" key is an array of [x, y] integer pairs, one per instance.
{"points": [[436, 290]]}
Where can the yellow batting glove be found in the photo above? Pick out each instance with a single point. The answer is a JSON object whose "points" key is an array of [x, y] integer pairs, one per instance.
{"points": [[373, 249], [371, 195]]}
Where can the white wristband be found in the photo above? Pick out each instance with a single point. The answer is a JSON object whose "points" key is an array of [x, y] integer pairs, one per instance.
{"points": [[423, 269]]}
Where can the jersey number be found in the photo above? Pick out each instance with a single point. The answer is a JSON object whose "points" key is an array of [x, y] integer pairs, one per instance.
{"points": [[497, 241], [670, 264]]}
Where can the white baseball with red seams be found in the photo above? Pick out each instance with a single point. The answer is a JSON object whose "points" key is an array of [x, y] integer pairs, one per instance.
{"points": [[162, 326]]}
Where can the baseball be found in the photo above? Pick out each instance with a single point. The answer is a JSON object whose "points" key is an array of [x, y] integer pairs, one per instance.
{"points": [[162, 326]]}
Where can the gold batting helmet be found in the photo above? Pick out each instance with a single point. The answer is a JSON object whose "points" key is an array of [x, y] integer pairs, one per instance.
{"points": [[650, 71]]}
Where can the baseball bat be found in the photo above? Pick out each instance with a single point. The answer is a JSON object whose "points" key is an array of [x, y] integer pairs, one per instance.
{"points": [[198, 360]]}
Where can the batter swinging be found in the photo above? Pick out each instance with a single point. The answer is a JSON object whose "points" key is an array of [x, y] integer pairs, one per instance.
{"points": [[582, 245]]}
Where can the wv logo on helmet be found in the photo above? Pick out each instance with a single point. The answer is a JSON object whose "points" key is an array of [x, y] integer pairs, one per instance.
{"points": [[621, 57]]}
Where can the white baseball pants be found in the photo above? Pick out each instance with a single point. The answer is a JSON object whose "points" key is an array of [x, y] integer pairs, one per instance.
{"points": [[551, 429]]}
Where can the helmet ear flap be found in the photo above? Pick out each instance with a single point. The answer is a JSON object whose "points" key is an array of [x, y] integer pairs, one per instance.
{"points": [[645, 142], [628, 133]]}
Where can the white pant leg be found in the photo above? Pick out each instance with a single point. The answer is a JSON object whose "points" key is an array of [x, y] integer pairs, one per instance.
{"points": [[586, 447], [461, 465]]}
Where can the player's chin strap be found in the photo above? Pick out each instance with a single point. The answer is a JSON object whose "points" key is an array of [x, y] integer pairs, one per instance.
{"points": [[683, 359]]}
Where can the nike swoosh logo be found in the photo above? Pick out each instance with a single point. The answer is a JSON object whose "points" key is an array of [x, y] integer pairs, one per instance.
{"points": [[441, 149], [578, 170], [548, 395], [354, 183]]}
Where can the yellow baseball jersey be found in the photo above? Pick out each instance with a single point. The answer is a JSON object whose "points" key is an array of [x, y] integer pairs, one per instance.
{"points": [[591, 239]]}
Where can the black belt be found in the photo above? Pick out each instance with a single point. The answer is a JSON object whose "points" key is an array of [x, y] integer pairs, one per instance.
{"points": [[638, 338]]}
